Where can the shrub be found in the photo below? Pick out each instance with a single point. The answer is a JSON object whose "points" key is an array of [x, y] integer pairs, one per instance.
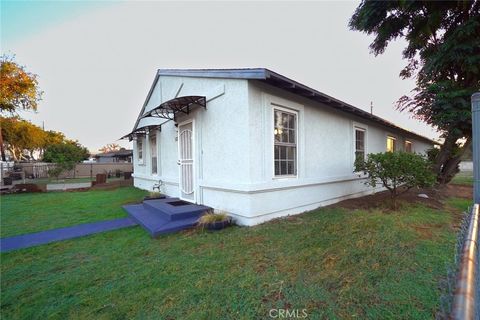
{"points": [[211, 217], [398, 172], [65, 155]]}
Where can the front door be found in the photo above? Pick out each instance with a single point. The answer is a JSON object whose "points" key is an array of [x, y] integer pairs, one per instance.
{"points": [[185, 161]]}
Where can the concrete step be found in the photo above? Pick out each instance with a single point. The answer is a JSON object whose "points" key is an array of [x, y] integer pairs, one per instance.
{"points": [[175, 209], [158, 217]]}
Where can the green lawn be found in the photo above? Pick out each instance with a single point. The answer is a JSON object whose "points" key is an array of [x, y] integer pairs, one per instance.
{"points": [[333, 262], [33, 212], [464, 178]]}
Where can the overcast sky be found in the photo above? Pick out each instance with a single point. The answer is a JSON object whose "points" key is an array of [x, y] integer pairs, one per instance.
{"points": [[96, 60]]}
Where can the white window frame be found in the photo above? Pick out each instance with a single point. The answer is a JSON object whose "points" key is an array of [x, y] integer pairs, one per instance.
{"points": [[389, 136], [365, 133], [142, 149], [295, 113], [151, 137], [405, 145]]}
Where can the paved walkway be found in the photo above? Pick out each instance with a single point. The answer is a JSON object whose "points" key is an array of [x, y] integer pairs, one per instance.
{"points": [[44, 237], [68, 186]]}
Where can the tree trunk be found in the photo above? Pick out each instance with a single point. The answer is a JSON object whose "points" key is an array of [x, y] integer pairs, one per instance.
{"points": [[450, 167], [447, 160], [393, 195], [2, 147], [445, 152]]}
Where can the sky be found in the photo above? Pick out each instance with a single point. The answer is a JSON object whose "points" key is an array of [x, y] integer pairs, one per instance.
{"points": [[96, 60]]}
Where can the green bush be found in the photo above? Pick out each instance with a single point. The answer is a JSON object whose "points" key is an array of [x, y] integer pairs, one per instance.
{"points": [[65, 155], [398, 172]]}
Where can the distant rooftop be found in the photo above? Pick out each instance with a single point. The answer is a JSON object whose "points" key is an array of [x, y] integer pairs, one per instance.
{"points": [[117, 153]]}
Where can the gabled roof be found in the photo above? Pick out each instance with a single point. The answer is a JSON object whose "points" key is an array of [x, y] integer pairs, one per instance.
{"points": [[277, 80]]}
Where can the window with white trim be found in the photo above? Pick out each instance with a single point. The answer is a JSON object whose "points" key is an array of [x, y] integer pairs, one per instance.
{"points": [[153, 152], [360, 136], [391, 144], [285, 143], [140, 149], [408, 146]]}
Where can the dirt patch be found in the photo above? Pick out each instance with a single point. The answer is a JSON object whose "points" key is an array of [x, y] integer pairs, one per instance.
{"points": [[112, 185], [458, 191], [436, 196], [28, 187], [427, 231], [254, 240]]}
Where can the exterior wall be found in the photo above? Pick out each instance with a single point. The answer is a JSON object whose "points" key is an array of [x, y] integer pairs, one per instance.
{"points": [[466, 166], [233, 141], [325, 157], [219, 135]]}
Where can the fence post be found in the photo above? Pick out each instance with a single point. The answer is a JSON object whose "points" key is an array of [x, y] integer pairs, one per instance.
{"points": [[476, 146]]}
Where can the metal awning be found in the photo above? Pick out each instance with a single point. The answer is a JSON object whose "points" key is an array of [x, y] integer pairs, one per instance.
{"points": [[170, 108], [141, 132]]}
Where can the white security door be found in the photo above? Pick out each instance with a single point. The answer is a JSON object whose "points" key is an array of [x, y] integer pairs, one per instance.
{"points": [[185, 161]]}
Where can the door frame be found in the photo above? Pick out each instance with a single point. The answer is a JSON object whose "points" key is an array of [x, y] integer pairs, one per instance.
{"points": [[194, 160]]}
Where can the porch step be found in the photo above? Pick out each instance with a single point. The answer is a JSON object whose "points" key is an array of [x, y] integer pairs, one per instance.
{"points": [[175, 209], [159, 217]]}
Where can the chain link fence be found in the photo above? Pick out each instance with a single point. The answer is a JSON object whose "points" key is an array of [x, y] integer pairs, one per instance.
{"points": [[46, 173], [461, 290]]}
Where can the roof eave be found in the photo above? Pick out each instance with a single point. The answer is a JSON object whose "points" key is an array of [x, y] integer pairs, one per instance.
{"points": [[252, 73]]}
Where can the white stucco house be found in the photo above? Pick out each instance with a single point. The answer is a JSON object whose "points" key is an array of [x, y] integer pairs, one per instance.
{"points": [[255, 143]]}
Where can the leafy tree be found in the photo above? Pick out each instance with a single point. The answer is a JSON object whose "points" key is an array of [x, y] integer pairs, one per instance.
{"points": [[65, 155], [21, 138], [52, 137], [109, 148], [18, 91], [398, 172], [443, 54]]}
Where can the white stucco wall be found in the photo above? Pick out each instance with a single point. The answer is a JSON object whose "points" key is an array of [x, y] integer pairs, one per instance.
{"points": [[234, 149], [218, 134], [325, 156]]}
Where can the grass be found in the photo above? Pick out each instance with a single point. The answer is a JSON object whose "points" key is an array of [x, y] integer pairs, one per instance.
{"points": [[463, 178], [33, 212], [333, 262]]}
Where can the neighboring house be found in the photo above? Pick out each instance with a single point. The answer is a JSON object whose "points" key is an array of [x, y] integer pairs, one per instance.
{"points": [[122, 156], [255, 143]]}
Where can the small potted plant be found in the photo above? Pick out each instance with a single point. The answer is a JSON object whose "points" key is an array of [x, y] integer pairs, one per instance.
{"points": [[214, 221], [154, 195]]}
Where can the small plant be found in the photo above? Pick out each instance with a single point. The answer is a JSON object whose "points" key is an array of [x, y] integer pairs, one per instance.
{"points": [[55, 171], [154, 194], [398, 172], [212, 217], [214, 221]]}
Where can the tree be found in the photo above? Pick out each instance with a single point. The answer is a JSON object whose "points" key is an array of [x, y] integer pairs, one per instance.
{"points": [[109, 148], [21, 138], [443, 54], [398, 172], [18, 91], [65, 155], [51, 137]]}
